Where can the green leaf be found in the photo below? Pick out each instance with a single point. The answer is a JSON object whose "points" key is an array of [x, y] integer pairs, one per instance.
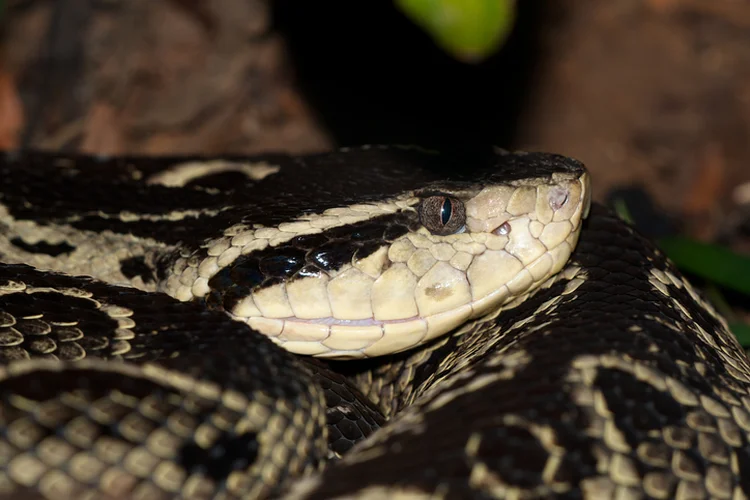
{"points": [[711, 262], [469, 30]]}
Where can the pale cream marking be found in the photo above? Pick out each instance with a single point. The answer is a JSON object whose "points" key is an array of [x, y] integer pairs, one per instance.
{"points": [[272, 302], [349, 294], [351, 338], [126, 216], [523, 245], [308, 298], [421, 261], [487, 210], [492, 270], [374, 264], [520, 283], [394, 294], [440, 323], [96, 254], [461, 261], [541, 268], [295, 331], [401, 250], [398, 337], [443, 251], [522, 201], [615, 438], [181, 174], [270, 327]]}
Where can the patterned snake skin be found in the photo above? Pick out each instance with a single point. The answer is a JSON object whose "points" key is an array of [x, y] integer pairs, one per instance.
{"points": [[616, 381], [612, 379]]}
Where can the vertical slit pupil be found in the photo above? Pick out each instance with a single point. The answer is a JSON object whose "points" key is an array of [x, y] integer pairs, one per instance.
{"points": [[446, 211]]}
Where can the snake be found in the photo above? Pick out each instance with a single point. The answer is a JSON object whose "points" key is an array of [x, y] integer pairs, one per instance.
{"points": [[372, 322]]}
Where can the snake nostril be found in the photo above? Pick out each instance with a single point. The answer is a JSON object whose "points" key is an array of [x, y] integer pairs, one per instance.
{"points": [[558, 197], [502, 230]]}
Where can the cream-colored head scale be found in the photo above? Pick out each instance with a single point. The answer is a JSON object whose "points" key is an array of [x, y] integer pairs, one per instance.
{"points": [[469, 249]]}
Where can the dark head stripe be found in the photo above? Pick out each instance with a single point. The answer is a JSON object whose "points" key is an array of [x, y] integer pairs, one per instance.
{"points": [[305, 255]]}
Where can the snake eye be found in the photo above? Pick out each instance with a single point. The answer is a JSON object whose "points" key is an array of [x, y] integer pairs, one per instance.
{"points": [[442, 215]]}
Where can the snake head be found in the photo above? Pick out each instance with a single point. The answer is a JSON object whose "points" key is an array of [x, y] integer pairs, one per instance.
{"points": [[393, 271]]}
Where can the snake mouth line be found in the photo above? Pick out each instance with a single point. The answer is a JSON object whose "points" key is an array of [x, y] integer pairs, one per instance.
{"points": [[330, 321]]}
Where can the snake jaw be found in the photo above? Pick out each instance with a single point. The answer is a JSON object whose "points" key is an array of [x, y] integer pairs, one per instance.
{"points": [[423, 285]]}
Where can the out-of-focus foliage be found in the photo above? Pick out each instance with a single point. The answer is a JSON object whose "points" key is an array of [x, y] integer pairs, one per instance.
{"points": [[469, 30], [714, 263]]}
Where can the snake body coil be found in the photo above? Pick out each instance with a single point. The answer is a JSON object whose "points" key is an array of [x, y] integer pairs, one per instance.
{"points": [[496, 367]]}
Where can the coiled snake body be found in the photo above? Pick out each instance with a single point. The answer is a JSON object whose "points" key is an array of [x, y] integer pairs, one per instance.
{"points": [[490, 362]]}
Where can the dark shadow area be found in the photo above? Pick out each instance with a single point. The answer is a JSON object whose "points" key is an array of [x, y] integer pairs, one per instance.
{"points": [[374, 77]]}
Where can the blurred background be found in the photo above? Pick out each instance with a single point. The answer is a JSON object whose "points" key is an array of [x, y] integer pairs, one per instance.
{"points": [[653, 95]]}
